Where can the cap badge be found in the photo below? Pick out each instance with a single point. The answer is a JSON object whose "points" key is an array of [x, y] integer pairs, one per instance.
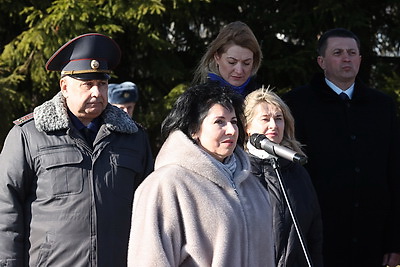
{"points": [[126, 95], [94, 64]]}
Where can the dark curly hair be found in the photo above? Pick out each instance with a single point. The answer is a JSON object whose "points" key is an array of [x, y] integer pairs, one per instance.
{"points": [[193, 105]]}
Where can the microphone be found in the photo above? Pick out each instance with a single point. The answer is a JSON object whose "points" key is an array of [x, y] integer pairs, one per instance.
{"points": [[260, 141]]}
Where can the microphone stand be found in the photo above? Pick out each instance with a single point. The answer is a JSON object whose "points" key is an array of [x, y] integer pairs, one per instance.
{"points": [[275, 166]]}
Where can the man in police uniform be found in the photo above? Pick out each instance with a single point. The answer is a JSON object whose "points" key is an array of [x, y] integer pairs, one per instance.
{"points": [[69, 170], [124, 96]]}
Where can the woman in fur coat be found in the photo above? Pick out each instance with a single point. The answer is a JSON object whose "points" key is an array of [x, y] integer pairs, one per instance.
{"points": [[201, 206]]}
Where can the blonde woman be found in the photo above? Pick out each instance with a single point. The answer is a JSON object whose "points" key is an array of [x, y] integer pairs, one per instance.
{"points": [[232, 59], [267, 114]]}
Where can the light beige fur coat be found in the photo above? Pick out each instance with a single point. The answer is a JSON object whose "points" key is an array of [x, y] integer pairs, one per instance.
{"points": [[186, 213]]}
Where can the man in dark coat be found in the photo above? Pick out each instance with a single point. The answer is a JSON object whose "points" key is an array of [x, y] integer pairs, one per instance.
{"points": [[69, 170], [353, 149]]}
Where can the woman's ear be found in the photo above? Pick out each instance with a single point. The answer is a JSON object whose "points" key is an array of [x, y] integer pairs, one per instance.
{"points": [[247, 129], [216, 58], [195, 137]]}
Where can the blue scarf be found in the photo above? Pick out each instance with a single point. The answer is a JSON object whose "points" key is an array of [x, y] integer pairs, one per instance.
{"points": [[221, 81]]}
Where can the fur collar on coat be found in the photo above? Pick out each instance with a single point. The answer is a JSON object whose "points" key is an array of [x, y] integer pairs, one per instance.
{"points": [[180, 150], [186, 213], [52, 116]]}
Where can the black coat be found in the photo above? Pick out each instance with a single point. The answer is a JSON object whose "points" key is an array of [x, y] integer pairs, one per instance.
{"points": [[304, 203], [353, 157]]}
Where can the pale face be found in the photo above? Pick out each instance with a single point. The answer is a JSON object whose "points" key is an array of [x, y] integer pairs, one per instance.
{"points": [[235, 65], [127, 107], [268, 119], [85, 99], [341, 61], [218, 132]]}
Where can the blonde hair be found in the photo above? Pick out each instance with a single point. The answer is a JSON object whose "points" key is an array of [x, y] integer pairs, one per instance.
{"points": [[266, 95], [235, 33]]}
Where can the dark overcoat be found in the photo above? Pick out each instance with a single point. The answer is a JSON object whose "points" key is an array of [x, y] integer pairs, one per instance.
{"points": [[304, 203], [353, 149], [63, 203]]}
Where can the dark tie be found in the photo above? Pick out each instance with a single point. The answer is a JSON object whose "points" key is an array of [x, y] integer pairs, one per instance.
{"points": [[344, 96], [88, 136]]}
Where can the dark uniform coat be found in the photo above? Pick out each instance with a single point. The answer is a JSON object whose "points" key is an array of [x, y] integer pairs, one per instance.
{"points": [[353, 149], [63, 203]]}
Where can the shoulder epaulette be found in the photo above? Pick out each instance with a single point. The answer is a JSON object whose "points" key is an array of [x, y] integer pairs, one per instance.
{"points": [[23, 119]]}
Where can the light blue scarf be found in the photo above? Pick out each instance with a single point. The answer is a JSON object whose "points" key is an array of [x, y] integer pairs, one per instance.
{"points": [[228, 167]]}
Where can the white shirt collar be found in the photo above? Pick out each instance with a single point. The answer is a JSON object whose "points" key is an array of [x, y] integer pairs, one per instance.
{"points": [[337, 90]]}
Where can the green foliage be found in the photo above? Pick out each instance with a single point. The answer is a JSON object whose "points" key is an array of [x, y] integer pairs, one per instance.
{"points": [[162, 41], [392, 85], [388, 80]]}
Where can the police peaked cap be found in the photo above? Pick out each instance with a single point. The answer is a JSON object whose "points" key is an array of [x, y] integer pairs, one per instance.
{"points": [[122, 93], [90, 56]]}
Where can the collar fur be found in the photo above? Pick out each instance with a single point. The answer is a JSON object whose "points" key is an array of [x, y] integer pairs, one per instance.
{"points": [[179, 150], [52, 116]]}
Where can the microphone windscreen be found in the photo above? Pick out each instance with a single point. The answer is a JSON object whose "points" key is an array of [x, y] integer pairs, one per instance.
{"points": [[255, 140]]}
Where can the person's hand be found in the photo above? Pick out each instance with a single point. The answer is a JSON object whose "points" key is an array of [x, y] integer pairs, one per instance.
{"points": [[391, 259]]}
